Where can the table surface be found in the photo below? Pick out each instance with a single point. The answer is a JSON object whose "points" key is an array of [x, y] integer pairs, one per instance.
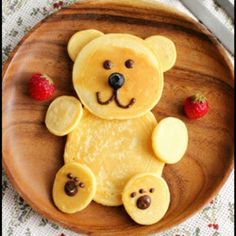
{"points": [[215, 219]]}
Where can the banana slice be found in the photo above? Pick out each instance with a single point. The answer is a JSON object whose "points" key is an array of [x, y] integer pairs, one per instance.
{"points": [[146, 198], [170, 140], [74, 187], [63, 115]]}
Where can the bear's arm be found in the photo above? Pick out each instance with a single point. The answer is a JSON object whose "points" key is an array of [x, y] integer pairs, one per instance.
{"points": [[63, 115], [170, 140]]}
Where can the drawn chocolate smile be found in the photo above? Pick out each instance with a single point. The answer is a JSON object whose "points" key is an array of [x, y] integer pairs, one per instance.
{"points": [[116, 81]]}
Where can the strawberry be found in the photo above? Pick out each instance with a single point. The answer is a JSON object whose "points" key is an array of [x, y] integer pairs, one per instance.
{"points": [[196, 106], [41, 87]]}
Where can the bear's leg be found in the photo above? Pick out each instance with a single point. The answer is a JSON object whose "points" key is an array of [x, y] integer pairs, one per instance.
{"points": [[146, 198], [74, 187]]}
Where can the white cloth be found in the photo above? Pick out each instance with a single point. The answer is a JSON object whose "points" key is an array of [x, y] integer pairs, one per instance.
{"points": [[216, 219]]}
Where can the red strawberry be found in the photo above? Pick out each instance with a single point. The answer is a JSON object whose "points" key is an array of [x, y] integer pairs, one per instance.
{"points": [[41, 87], [196, 106], [55, 5], [215, 226]]}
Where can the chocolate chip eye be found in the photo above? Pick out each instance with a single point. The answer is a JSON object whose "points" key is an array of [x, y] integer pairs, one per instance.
{"points": [[151, 190], [129, 63], [107, 64]]}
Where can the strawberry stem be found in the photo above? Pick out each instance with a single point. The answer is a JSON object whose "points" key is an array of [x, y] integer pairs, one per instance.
{"points": [[47, 78], [198, 98]]}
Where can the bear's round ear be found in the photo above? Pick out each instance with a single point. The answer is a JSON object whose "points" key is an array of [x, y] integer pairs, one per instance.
{"points": [[79, 40], [164, 50]]}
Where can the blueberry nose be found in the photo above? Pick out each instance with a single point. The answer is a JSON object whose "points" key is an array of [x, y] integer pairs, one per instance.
{"points": [[116, 80]]}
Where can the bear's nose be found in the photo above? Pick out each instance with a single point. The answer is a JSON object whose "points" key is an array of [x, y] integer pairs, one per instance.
{"points": [[116, 80]]}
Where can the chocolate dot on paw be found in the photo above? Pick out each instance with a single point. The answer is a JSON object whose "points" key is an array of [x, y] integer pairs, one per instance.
{"points": [[69, 175], [70, 188], [76, 179], [133, 194], [143, 202], [141, 190], [81, 185]]}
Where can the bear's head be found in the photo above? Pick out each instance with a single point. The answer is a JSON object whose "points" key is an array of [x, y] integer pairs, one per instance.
{"points": [[119, 76]]}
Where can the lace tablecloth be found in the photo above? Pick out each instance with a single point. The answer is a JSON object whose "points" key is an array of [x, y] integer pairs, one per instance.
{"points": [[216, 219]]}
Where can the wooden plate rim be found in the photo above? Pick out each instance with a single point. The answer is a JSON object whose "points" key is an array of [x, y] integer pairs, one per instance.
{"points": [[150, 4]]}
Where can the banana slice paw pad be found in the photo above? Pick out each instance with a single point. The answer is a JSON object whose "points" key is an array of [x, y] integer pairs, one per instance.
{"points": [[63, 115], [74, 187], [146, 198], [170, 140]]}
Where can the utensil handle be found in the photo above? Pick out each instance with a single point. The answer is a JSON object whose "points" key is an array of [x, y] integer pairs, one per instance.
{"points": [[224, 35], [227, 6]]}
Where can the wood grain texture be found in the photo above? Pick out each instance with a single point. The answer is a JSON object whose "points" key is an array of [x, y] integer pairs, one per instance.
{"points": [[32, 156]]}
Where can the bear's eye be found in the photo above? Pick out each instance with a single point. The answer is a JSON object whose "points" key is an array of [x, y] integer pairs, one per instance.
{"points": [[129, 63], [107, 64]]}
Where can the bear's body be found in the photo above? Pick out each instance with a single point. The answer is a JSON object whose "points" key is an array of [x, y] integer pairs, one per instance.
{"points": [[115, 151]]}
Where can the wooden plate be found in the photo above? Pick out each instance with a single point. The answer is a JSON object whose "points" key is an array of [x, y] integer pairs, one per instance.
{"points": [[32, 156]]}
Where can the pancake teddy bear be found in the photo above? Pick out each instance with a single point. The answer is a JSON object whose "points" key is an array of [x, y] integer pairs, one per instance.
{"points": [[116, 150]]}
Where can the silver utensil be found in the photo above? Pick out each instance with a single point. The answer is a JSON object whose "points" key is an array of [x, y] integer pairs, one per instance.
{"points": [[224, 35], [227, 6]]}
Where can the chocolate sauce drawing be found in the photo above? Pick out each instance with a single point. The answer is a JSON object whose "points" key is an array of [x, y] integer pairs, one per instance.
{"points": [[116, 99]]}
